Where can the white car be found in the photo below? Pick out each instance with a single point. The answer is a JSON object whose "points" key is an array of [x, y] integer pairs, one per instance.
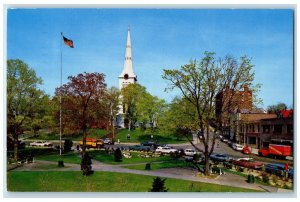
{"points": [[189, 152], [166, 150], [237, 147], [41, 144]]}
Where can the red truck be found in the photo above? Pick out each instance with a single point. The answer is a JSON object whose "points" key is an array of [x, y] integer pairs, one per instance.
{"points": [[276, 150]]}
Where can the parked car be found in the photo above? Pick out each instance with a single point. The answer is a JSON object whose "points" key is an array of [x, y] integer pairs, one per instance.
{"points": [[246, 149], [220, 157], [248, 163], [230, 143], [224, 140], [150, 144], [166, 150], [108, 141], [237, 147], [189, 152], [41, 144], [139, 148], [278, 169]]}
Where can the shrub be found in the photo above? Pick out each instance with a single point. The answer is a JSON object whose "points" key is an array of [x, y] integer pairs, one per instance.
{"points": [[158, 185], [265, 178], [148, 166], [118, 155], [86, 164], [68, 145], [60, 163], [175, 155], [227, 165]]}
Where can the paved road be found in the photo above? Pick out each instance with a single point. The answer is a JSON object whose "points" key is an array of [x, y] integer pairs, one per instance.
{"points": [[177, 173], [223, 148]]}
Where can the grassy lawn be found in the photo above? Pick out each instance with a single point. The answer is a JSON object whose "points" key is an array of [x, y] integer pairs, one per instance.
{"points": [[67, 158], [139, 135], [104, 157], [136, 135], [74, 181], [156, 166]]}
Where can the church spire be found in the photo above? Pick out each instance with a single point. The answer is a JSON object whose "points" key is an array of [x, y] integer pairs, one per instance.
{"points": [[128, 67]]}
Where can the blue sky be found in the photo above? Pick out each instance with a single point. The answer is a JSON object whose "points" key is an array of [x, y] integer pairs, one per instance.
{"points": [[161, 38]]}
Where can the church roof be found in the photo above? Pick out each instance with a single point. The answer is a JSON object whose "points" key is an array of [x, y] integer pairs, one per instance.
{"points": [[128, 67]]}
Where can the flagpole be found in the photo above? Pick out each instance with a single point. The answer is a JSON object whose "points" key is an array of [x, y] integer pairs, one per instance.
{"points": [[60, 112]]}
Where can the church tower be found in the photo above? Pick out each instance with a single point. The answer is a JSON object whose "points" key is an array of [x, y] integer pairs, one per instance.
{"points": [[126, 77]]}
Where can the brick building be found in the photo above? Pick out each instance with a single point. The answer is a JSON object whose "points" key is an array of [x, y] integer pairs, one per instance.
{"points": [[259, 130], [228, 102]]}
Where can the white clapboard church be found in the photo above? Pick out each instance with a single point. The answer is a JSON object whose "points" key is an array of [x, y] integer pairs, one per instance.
{"points": [[126, 77]]}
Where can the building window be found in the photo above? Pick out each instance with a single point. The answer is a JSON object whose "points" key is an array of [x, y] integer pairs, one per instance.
{"points": [[266, 128], [251, 140], [290, 128], [277, 128]]}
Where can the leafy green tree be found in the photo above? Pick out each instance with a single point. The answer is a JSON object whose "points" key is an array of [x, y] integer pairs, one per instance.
{"points": [[141, 106], [111, 100], [178, 119], [158, 185], [199, 83], [275, 108], [132, 95], [24, 99]]}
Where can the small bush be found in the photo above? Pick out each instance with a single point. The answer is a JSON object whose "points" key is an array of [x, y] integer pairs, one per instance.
{"points": [[148, 166], [175, 155], [158, 185], [68, 145], [265, 178], [86, 164], [60, 163], [118, 155]]}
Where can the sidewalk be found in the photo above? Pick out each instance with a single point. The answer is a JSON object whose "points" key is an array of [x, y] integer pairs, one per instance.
{"points": [[176, 173]]}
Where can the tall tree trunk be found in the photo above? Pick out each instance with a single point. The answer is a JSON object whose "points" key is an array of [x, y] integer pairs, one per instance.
{"points": [[84, 142], [113, 127], [15, 148], [206, 156]]}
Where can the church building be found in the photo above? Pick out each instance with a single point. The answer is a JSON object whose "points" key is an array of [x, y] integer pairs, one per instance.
{"points": [[126, 77]]}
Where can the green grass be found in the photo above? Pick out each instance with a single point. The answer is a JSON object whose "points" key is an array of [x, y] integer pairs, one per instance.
{"points": [[156, 166], [74, 181], [139, 135], [136, 135], [67, 158], [104, 157]]}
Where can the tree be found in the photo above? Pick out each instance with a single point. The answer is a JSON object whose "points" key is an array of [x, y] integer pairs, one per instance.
{"points": [[68, 144], [200, 82], [178, 119], [81, 106], [158, 185], [24, 99], [275, 108], [132, 94], [111, 100], [86, 164], [118, 155], [141, 106]]}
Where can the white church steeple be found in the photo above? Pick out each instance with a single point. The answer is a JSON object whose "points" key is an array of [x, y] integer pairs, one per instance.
{"points": [[127, 76]]}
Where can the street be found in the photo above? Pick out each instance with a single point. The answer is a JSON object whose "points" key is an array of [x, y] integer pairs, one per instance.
{"points": [[223, 148]]}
